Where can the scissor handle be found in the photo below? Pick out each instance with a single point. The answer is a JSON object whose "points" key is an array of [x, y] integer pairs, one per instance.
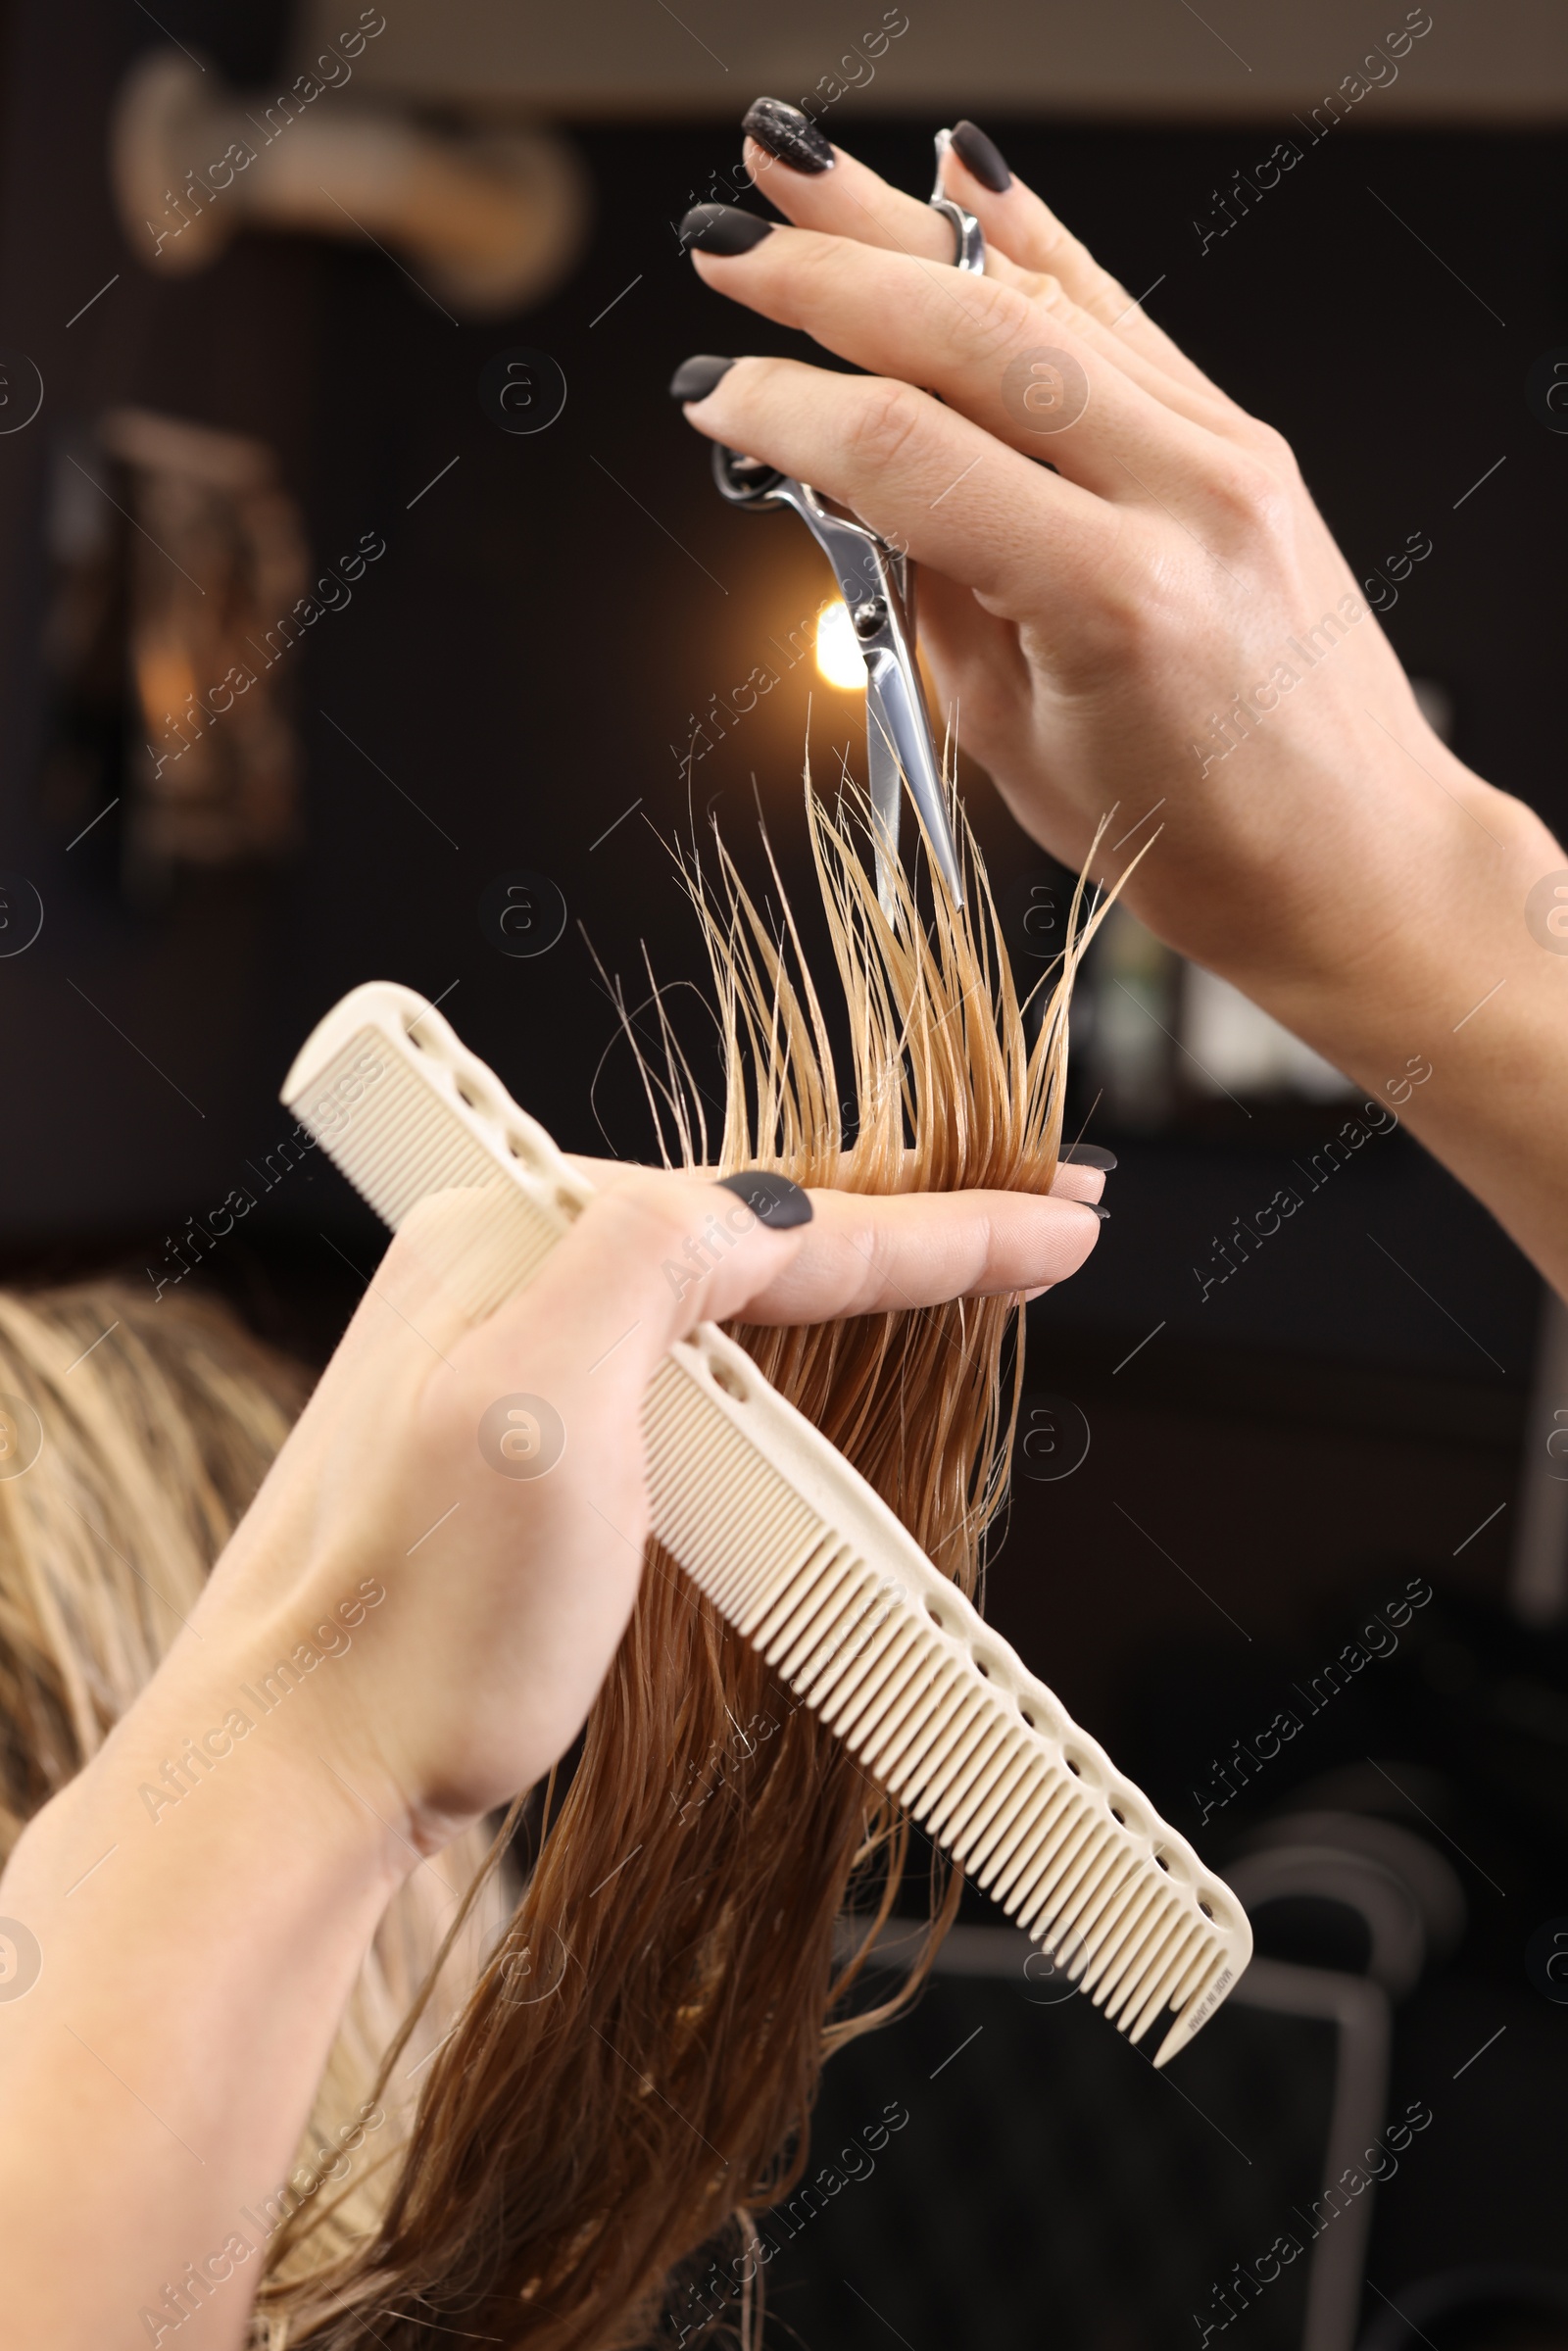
{"points": [[745, 480], [968, 236], [878, 586]]}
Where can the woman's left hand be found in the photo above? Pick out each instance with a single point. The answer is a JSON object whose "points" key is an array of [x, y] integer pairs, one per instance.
{"points": [[408, 1627]]}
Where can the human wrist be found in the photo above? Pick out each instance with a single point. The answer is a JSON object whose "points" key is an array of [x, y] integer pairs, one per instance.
{"points": [[1429, 919], [219, 1736], [1354, 908], [1423, 983]]}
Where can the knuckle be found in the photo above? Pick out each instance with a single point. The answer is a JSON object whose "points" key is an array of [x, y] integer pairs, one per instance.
{"points": [[997, 318], [1247, 492], [1270, 444], [1054, 241], [887, 418], [1117, 629], [1108, 300], [651, 1208], [444, 1238], [1137, 611], [1045, 292]]}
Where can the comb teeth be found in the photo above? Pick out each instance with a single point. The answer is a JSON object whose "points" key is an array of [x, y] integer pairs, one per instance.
{"points": [[795, 1549]]}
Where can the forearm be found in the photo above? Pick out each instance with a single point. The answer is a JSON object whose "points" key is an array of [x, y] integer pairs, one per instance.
{"points": [[194, 1957], [1424, 962]]}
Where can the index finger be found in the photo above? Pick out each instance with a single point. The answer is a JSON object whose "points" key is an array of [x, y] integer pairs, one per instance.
{"points": [[660, 1251], [1082, 1178], [896, 457], [869, 1254], [656, 1255]]}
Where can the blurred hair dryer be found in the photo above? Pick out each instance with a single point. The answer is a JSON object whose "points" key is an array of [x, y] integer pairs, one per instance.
{"points": [[486, 221]]}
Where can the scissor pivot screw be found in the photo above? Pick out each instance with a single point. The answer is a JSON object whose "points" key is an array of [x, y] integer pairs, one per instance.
{"points": [[869, 617]]}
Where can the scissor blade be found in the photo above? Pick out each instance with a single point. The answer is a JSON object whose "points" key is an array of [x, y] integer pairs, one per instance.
{"points": [[897, 728], [886, 778]]}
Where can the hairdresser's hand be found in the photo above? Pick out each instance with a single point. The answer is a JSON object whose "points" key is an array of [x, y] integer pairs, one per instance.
{"points": [[1114, 557], [509, 1553], [408, 1627], [1091, 622]]}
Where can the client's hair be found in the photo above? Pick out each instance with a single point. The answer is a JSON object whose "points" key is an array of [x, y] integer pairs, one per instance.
{"points": [[158, 1423], [159, 1419], [632, 2079]]}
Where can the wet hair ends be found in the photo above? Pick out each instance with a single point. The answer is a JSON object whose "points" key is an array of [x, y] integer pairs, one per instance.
{"points": [[631, 2083]]}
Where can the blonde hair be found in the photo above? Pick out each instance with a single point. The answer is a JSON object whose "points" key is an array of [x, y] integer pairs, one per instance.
{"points": [[158, 1422], [159, 1419]]}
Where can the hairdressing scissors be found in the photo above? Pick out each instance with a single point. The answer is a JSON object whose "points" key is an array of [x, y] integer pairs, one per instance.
{"points": [[878, 583]]}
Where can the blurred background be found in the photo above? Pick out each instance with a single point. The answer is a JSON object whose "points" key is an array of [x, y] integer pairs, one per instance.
{"points": [[369, 612]]}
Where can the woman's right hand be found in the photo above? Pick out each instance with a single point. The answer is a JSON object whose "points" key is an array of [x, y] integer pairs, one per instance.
{"points": [[1114, 556]]}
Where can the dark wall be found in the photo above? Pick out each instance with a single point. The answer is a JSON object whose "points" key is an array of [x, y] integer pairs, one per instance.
{"points": [[557, 616], [528, 662]]}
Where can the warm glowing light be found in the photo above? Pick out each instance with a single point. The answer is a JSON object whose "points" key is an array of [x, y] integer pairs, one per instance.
{"points": [[164, 679], [838, 653]]}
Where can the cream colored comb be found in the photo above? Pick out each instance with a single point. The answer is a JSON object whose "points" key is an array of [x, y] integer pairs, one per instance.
{"points": [[796, 1552]]}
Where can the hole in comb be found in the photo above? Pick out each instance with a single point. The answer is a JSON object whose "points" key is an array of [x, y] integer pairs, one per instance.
{"points": [[936, 1619], [524, 1153], [730, 1380], [1074, 1766], [1161, 1863], [464, 1096], [418, 1043], [1118, 1816], [569, 1207], [1204, 1908], [1027, 1716], [981, 1667]]}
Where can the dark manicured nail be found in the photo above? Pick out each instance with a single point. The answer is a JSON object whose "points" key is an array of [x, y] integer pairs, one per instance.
{"points": [[1103, 1214], [789, 137], [696, 376], [772, 1199], [1071, 1155], [983, 156], [724, 229]]}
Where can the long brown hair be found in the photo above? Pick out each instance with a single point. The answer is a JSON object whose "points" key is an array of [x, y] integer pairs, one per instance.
{"points": [[631, 2083]]}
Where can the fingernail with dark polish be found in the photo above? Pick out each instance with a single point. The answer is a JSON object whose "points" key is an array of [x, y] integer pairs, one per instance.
{"points": [[772, 1199], [722, 228], [1071, 1155], [789, 137], [696, 377], [983, 156]]}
